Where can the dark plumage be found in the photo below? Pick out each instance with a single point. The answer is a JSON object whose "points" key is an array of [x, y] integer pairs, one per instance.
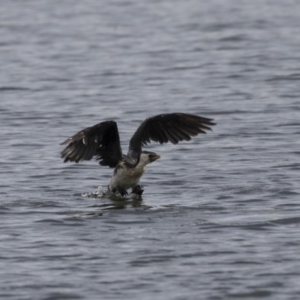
{"points": [[103, 142]]}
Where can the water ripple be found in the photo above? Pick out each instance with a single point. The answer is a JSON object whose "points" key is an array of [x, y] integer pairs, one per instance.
{"points": [[219, 215]]}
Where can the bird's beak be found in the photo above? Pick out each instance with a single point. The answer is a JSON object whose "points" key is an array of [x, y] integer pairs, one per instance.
{"points": [[154, 157]]}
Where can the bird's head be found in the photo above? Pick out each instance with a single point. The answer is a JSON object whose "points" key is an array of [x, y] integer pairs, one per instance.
{"points": [[148, 157]]}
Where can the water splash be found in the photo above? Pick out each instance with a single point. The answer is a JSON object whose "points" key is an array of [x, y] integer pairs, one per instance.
{"points": [[103, 192]]}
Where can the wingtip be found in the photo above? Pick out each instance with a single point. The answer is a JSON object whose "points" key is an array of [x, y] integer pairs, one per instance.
{"points": [[65, 142]]}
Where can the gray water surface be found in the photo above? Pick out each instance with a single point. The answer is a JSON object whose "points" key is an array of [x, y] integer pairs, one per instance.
{"points": [[220, 215]]}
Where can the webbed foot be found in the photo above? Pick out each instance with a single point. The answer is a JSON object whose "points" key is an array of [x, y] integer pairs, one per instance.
{"points": [[122, 191], [138, 189]]}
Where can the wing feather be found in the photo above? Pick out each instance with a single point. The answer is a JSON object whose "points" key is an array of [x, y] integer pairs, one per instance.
{"points": [[156, 133], [163, 134], [174, 127], [188, 132], [171, 136], [101, 140], [185, 134]]}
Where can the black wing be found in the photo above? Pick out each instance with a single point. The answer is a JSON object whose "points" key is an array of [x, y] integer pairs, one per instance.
{"points": [[165, 128], [101, 140]]}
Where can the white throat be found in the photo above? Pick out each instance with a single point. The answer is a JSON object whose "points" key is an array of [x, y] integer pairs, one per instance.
{"points": [[144, 160], [126, 177]]}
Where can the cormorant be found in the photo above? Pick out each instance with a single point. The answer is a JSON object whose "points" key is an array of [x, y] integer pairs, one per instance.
{"points": [[102, 141]]}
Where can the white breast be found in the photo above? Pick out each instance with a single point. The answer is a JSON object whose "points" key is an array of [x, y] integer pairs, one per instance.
{"points": [[125, 177]]}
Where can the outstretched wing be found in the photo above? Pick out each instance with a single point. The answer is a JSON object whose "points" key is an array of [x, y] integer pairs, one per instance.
{"points": [[165, 128], [101, 140]]}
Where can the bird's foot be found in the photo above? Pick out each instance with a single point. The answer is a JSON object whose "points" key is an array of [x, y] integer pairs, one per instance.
{"points": [[138, 189], [122, 191]]}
